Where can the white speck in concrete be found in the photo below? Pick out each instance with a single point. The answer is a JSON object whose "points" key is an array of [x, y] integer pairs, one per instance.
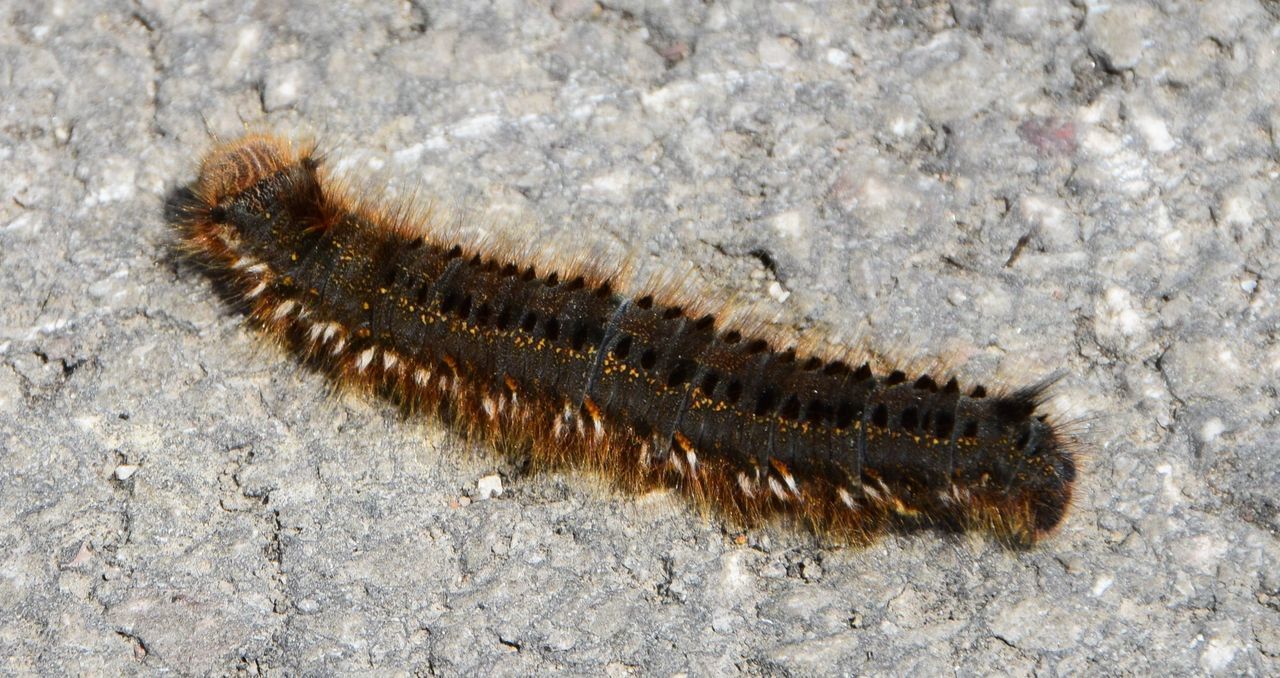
{"points": [[722, 622], [677, 96], [1219, 652], [1119, 315], [1211, 429], [1236, 210], [410, 155], [10, 390], [110, 286], [27, 224], [1052, 223], [476, 126], [1154, 131], [246, 45], [1171, 490], [901, 125], [116, 181], [1116, 33], [489, 486], [776, 52], [283, 86], [611, 186], [874, 194], [733, 577], [788, 223], [1202, 553]]}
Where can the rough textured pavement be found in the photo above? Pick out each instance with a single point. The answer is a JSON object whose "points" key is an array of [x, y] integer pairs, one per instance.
{"points": [[1020, 185]]}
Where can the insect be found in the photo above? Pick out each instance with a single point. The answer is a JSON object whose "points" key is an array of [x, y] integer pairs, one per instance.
{"points": [[634, 382]]}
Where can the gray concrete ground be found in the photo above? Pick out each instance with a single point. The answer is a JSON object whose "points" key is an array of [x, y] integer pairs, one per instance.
{"points": [[1020, 185]]}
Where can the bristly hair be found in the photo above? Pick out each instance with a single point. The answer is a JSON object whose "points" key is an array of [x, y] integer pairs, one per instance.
{"points": [[643, 382]]}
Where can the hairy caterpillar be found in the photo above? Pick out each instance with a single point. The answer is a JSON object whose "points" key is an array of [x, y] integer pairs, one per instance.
{"points": [[582, 370]]}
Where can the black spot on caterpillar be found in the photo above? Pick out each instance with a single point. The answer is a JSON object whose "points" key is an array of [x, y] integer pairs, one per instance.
{"points": [[581, 369]]}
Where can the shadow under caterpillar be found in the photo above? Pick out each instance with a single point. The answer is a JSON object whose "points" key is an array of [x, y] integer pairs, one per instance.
{"points": [[630, 382]]}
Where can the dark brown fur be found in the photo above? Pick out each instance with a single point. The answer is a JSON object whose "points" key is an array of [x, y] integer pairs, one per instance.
{"points": [[639, 387]]}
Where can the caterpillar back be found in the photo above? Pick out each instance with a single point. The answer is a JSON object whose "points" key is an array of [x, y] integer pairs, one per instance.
{"points": [[632, 383]]}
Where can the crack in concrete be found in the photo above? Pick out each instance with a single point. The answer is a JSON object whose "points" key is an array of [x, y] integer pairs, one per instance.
{"points": [[148, 24], [140, 651]]}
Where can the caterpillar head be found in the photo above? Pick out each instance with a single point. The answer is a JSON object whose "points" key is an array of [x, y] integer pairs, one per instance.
{"points": [[235, 166]]}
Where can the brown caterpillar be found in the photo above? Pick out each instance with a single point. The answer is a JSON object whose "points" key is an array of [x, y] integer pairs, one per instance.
{"points": [[637, 387]]}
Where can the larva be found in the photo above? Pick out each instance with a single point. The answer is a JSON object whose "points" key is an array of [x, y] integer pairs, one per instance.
{"points": [[579, 370]]}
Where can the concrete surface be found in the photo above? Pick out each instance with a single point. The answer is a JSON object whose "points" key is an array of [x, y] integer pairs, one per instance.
{"points": [[1022, 185]]}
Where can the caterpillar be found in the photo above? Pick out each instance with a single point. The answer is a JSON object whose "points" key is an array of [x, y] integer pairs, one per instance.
{"points": [[576, 367]]}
